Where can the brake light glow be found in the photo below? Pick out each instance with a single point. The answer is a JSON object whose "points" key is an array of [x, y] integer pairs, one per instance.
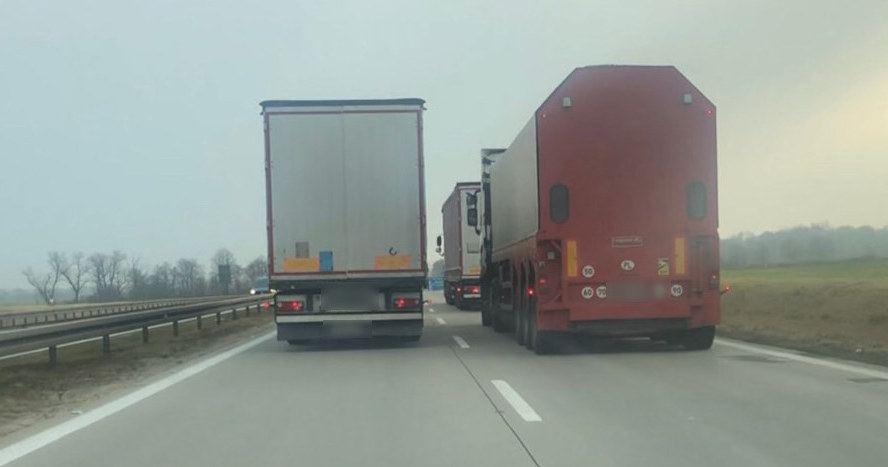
{"points": [[473, 289], [402, 303], [291, 306], [530, 291], [713, 281]]}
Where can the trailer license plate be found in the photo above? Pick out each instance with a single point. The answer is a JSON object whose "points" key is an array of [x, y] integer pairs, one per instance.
{"points": [[348, 328]]}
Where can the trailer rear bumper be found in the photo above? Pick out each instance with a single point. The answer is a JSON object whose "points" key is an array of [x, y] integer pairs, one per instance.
{"points": [[308, 327], [629, 327]]}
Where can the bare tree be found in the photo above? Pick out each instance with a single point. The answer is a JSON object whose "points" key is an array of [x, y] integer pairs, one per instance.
{"points": [[108, 274], [42, 283], [224, 257], [75, 275], [256, 269], [189, 277], [137, 281]]}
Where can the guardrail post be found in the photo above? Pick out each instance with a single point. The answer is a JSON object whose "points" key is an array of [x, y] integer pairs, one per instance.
{"points": [[176, 328], [218, 317], [247, 310], [199, 321], [106, 344], [145, 334], [53, 355], [234, 313]]}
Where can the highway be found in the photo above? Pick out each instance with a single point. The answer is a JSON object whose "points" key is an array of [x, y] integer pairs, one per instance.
{"points": [[467, 396]]}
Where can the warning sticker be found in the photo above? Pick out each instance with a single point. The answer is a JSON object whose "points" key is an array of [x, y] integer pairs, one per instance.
{"points": [[662, 266], [295, 264], [475, 270], [391, 262]]}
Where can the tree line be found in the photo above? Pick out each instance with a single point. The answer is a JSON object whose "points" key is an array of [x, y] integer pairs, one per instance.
{"points": [[103, 277], [805, 244]]}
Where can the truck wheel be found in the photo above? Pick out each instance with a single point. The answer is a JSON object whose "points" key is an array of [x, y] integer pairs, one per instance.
{"points": [[448, 299], [699, 338], [520, 323], [485, 314], [543, 342], [529, 319]]}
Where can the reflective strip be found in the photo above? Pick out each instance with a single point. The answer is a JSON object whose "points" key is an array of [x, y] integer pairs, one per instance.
{"points": [[572, 258], [310, 318], [680, 255]]}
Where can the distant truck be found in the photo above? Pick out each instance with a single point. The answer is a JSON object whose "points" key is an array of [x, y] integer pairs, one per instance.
{"points": [[346, 217], [461, 242], [601, 217]]}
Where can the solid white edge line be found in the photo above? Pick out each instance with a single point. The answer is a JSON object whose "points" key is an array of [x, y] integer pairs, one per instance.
{"points": [[461, 342], [805, 359], [32, 443], [440, 321], [518, 403]]}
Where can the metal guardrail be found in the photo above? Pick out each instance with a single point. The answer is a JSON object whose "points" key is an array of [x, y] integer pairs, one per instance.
{"points": [[51, 335], [30, 318]]}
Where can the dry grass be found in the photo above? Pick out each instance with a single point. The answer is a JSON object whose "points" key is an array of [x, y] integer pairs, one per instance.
{"points": [[838, 309]]}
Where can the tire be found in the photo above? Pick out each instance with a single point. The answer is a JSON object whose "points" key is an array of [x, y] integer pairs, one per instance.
{"points": [[529, 321], [485, 308], [520, 322], [698, 338], [541, 342], [448, 299], [496, 316]]}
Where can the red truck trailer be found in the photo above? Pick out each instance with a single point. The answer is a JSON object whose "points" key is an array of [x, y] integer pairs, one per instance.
{"points": [[462, 268], [601, 217]]}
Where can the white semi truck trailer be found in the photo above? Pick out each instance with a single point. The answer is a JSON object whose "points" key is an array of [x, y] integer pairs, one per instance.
{"points": [[346, 217]]}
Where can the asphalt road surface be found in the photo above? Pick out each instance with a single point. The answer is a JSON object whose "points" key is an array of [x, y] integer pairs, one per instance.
{"points": [[465, 396]]}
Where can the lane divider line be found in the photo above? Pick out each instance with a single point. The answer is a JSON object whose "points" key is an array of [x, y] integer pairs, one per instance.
{"points": [[50, 435], [517, 402], [431, 310], [805, 359], [461, 342], [440, 321]]}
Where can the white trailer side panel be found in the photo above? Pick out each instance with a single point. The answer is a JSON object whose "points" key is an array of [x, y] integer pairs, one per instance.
{"points": [[307, 186], [471, 242], [382, 188], [513, 191], [345, 189]]}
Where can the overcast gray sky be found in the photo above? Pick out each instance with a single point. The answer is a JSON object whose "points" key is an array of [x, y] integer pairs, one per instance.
{"points": [[135, 125]]}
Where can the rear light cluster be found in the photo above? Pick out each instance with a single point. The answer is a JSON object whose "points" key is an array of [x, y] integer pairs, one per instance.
{"points": [[291, 306], [404, 303], [472, 289]]}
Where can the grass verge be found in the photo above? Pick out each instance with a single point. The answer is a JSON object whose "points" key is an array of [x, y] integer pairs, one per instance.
{"points": [[837, 309]]}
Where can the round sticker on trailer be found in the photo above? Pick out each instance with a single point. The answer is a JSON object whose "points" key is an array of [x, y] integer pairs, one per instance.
{"points": [[627, 265], [601, 292], [677, 290], [587, 292], [588, 271]]}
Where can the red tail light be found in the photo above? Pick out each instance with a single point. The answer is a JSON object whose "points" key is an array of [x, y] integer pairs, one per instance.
{"points": [[404, 303], [458, 289], [713, 281], [473, 289], [290, 306]]}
